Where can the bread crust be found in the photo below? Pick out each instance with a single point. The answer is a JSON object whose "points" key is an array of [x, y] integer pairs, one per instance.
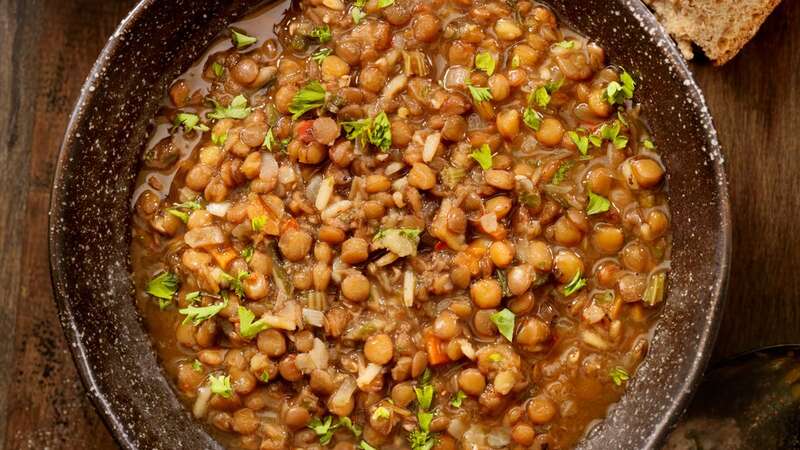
{"points": [[720, 27]]}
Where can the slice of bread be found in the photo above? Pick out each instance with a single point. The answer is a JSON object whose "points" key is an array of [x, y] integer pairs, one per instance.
{"points": [[720, 27]]}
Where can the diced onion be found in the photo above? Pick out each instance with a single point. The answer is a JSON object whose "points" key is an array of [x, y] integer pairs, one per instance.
{"points": [[386, 259], [313, 317], [279, 322], [201, 402], [431, 145], [204, 236], [218, 209], [455, 77], [489, 222], [393, 167], [324, 193], [269, 168], [286, 175], [394, 86], [467, 349], [499, 437], [366, 375], [335, 209], [408, 288], [595, 340], [342, 395], [456, 428], [319, 354], [304, 363]]}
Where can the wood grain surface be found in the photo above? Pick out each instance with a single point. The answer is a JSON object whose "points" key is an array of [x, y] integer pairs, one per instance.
{"points": [[48, 46]]}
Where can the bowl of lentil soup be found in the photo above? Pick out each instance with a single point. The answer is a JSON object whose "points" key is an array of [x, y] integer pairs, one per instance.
{"points": [[390, 224]]}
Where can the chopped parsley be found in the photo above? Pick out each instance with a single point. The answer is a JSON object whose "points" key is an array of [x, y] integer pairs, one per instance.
{"points": [[542, 95], [617, 93], [322, 34], [576, 284], [257, 223], [597, 204], [381, 412], [515, 62], [495, 357], [197, 366], [380, 134], [457, 399], [218, 69], [400, 241], [424, 395], [357, 129], [192, 297], [611, 134], [236, 283], [504, 320], [321, 54], [358, 14], [179, 214], [479, 94], [198, 314], [163, 286], [532, 118], [247, 328], [648, 144], [247, 253], [581, 141], [323, 429], [618, 375], [241, 40], [385, 3], [347, 423], [219, 139], [503, 280], [565, 44], [562, 171], [483, 156], [485, 62], [265, 376], [365, 446], [269, 140], [237, 109], [221, 386], [190, 205], [311, 96], [189, 122]]}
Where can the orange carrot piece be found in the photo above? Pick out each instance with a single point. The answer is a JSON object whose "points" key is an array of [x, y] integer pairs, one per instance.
{"points": [[223, 255], [434, 348]]}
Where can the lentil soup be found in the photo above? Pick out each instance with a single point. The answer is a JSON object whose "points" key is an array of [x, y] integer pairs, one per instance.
{"points": [[401, 224]]}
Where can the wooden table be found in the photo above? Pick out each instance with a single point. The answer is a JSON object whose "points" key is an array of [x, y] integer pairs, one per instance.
{"points": [[48, 46]]}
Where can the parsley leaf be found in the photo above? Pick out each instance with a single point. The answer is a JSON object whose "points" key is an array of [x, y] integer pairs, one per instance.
{"points": [[179, 214], [617, 93], [421, 440], [218, 69], [611, 134], [347, 423], [515, 62], [479, 94], [247, 253], [648, 144], [532, 118], [236, 283], [385, 3], [163, 286], [269, 140], [219, 139], [381, 412], [197, 366], [322, 34], [618, 375], [426, 376], [582, 142], [189, 122], [365, 446], [323, 430], [241, 40], [542, 95], [357, 129], [575, 285], [562, 171], [504, 320], [424, 396], [237, 109], [190, 205], [457, 399], [191, 297], [485, 62], [495, 357], [321, 54], [198, 314], [483, 156], [380, 134], [565, 44], [597, 204], [265, 376], [247, 328], [311, 96], [221, 386]]}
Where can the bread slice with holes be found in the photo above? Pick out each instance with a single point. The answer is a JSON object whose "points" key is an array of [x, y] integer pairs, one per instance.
{"points": [[720, 27]]}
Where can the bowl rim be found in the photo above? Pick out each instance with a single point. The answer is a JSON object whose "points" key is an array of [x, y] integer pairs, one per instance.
{"points": [[700, 358]]}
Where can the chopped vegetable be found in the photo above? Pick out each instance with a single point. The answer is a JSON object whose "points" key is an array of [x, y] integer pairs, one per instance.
{"points": [[458, 399], [495, 357], [648, 144], [542, 95], [322, 34], [515, 62], [357, 129], [190, 205], [611, 134], [597, 204], [618, 375], [503, 280], [504, 320], [257, 223], [575, 284], [321, 54], [654, 293], [483, 156], [218, 69], [241, 40], [451, 176], [347, 423], [380, 133], [265, 376], [381, 412], [164, 286], [565, 44], [221, 385], [562, 171], [365, 446], [323, 429], [198, 314], [197, 366], [358, 14], [385, 3], [532, 118], [247, 328], [424, 395], [400, 241], [479, 94], [238, 109], [311, 96], [179, 214], [247, 253], [279, 275], [189, 122], [617, 93], [581, 141], [191, 297], [219, 139], [434, 348], [485, 62]]}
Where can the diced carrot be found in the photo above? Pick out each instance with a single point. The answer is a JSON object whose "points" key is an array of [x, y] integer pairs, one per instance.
{"points": [[439, 246], [302, 131], [223, 255], [434, 348]]}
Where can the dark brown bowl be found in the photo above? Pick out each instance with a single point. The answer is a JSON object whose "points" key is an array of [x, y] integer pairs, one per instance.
{"points": [[89, 219]]}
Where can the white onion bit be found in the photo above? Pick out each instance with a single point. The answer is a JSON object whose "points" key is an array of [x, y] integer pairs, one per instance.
{"points": [[408, 288], [431, 145], [218, 209], [324, 193], [336, 209], [489, 222], [204, 236]]}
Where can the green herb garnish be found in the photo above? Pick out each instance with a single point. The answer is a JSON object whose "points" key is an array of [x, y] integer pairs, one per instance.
{"points": [[483, 156], [241, 40], [321, 54], [247, 253], [617, 93], [247, 328], [221, 386], [192, 297], [323, 429], [581, 141], [237, 109], [197, 366], [575, 284], [565, 44], [380, 133], [218, 69], [189, 122], [311, 96], [562, 171], [479, 94], [198, 314], [219, 139], [485, 62], [381, 412], [597, 204], [385, 3], [358, 14], [322, 34], [257, 223], [365, 446], [164, 286], [532, 118], [504, 320], [179, 214], [457, 399], [618, 375]]}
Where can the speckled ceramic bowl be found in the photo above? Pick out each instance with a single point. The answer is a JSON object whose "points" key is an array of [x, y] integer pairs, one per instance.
{"points": [[89, 219]]}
